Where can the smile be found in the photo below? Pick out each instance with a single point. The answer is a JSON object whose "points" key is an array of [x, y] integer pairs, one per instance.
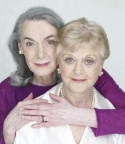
{"points": [[42, 65], [79, 80]]}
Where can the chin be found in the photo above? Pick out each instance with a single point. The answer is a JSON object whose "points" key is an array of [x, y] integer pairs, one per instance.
{"points": [[44, 73]]}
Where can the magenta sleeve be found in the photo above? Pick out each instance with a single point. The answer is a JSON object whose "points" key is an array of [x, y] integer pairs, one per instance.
{"points": [[3, 114], [110, 121], [5, 91]]}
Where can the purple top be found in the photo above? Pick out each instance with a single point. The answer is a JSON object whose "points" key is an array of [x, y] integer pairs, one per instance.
{"points": [[10, 96], [109, 121]]}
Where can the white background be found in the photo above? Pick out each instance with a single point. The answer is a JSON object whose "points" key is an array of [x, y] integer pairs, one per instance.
{"points": [[109, 13]]}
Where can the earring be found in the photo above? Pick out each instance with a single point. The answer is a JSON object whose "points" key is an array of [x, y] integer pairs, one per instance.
{"points": [[20, 52], [101, 73], [58, 70]]}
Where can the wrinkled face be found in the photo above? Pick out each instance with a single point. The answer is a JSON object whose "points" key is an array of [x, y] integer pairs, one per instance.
{"points": [[80, 69], [38, 42]]}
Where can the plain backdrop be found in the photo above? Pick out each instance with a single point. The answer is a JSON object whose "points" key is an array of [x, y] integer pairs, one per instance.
{"points": [[109, 13]]}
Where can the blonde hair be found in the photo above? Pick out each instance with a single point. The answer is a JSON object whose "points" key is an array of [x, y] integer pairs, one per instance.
{"points": [[84, 33]]}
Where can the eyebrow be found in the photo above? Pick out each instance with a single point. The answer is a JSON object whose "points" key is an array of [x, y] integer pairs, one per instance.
{"points": [[70, 54], [49, 37], [44, 38]]}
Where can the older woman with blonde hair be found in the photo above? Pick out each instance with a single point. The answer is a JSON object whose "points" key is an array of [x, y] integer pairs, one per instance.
{"points": [[81, 54]]}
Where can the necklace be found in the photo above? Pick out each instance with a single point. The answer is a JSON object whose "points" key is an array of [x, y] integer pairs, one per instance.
{"points": [[93, 95]]}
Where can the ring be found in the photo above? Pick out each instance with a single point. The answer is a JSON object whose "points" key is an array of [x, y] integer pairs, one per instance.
{"points": [[42, 116]]}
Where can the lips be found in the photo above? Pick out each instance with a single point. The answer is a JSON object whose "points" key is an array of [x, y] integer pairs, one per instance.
{"points": [[79, 80], [42, 65]]}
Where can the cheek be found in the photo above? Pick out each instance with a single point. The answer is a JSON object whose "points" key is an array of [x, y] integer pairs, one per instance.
{"points": [[51, 53], [94, 73], [64, 70], [28, 56]]}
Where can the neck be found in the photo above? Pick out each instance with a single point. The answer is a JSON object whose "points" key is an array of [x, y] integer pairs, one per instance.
{"points": [[85, 99], [44, 80]]}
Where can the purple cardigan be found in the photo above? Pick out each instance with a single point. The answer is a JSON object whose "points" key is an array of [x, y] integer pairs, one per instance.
{"points": [[10, 96], [109, 121]]}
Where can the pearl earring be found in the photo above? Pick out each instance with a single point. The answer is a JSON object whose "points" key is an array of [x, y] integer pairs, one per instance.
{"points": [[58, 70], [101, 73], [20, 52]]}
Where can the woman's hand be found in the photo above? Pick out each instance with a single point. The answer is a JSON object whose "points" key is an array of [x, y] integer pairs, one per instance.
{"points": [[14, 120], [55, 114], [61, 112]]}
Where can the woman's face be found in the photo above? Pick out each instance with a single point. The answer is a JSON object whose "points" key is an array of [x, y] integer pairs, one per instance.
{"points": [[80, 69], [38, 42]]}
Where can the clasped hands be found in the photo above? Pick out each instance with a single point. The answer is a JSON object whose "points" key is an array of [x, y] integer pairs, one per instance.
{"points": [[61, 112], [48, 114]]}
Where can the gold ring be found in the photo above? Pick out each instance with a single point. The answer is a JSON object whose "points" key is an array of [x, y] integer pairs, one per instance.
{"points": [[42, 116]]}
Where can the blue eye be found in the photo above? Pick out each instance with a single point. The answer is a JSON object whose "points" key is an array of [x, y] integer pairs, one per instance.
{"points": [[69, 60], [89, 62]]}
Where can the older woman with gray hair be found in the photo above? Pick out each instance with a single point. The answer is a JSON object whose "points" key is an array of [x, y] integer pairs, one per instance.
{"points": [[81, 54], [32, 44]]}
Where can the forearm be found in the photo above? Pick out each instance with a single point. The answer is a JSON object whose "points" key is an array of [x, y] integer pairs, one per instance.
{"points": [[86, 117], [109, 89], [110, 122], [9, 139], [6, 137], [8, 134]]}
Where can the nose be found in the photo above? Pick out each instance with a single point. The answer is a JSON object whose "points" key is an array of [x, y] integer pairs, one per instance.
{"points": [[41, 53], [78, 69]]}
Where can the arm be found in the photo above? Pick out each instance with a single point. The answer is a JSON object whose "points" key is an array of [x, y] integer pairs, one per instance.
{"points": [[110, 121], [7, 102], [3, 112], [15, 121], [61, 112], [11, 120]]}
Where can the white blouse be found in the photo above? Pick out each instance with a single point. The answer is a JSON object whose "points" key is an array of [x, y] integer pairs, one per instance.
{"points": [[63, 134]]}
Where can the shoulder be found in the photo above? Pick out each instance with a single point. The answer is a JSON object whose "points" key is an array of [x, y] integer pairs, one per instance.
{"points": [[6, 95], [102, 102], [6, 88], [5, 84], [5, 81]]}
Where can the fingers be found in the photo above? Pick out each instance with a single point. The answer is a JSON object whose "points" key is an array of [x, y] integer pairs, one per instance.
{"points": [[43, 123], [38, 106], [55, 97], [32, 118], [38, 125], [30, 96], [30, 102], [33, 112], [37, 118]]}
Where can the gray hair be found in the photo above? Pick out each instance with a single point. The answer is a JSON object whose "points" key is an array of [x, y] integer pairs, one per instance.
{"points": [[23, 76]]}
